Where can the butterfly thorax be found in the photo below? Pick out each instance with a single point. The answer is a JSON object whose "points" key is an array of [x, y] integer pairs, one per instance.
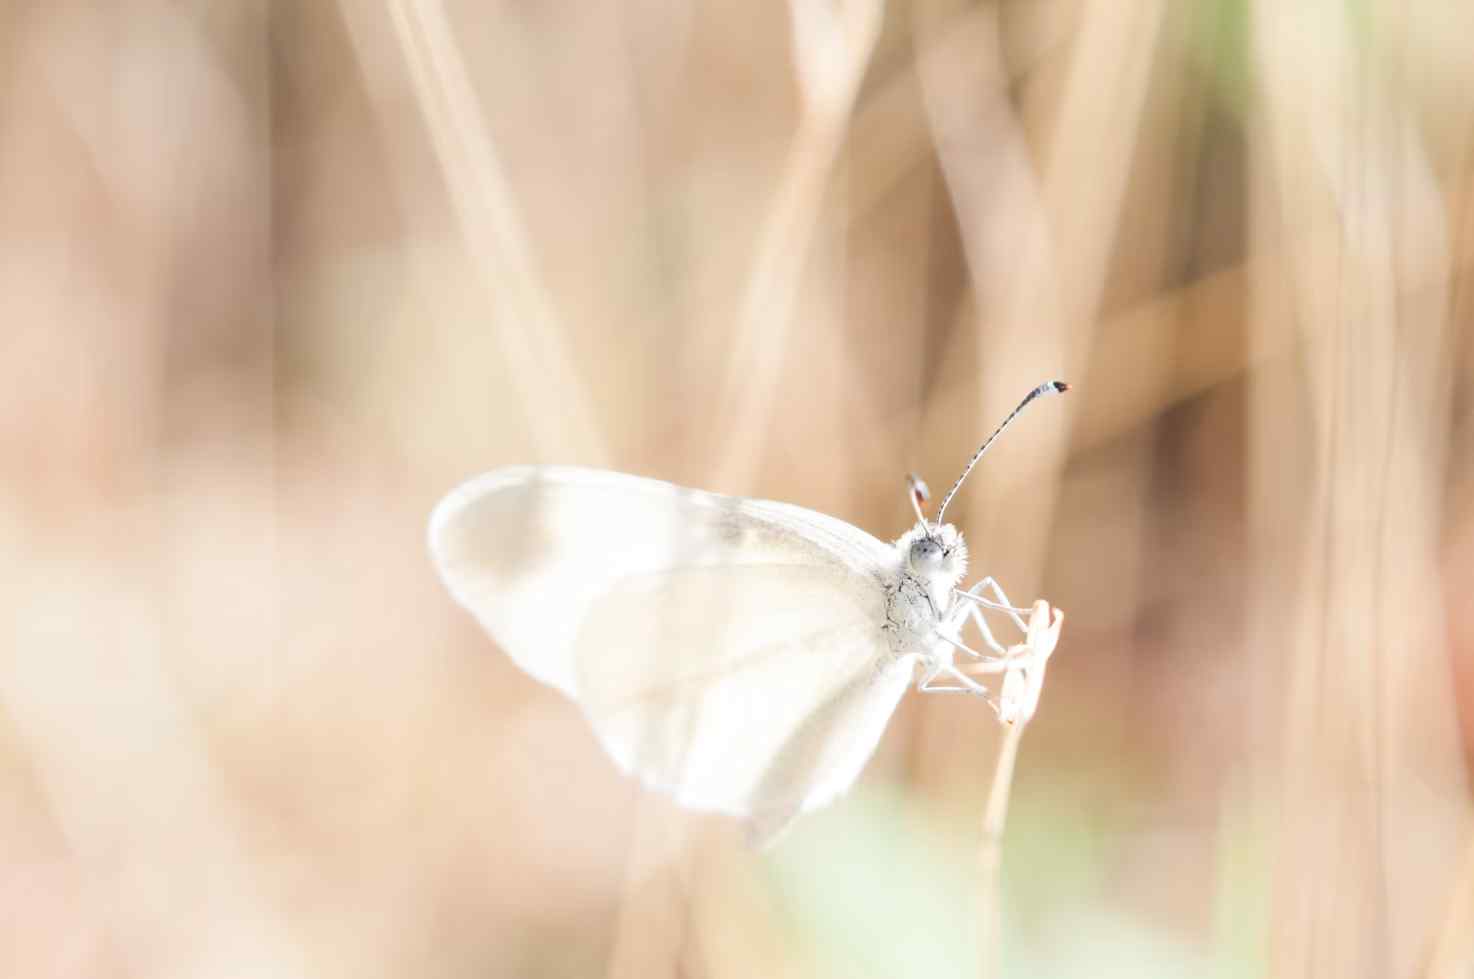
{"points": [[933, 560]]}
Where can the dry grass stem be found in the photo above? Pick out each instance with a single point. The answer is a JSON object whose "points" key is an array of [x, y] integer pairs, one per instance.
{"points": [[1356, 622], [990, 855], [1452, 956], [832, 44], [526, 321]]}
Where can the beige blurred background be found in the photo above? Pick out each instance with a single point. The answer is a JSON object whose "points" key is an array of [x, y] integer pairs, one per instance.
{"points": [[275, 276]]}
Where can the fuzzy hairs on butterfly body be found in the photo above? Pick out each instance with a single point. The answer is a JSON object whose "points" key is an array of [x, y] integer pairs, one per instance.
{"points": [[933, 561]]}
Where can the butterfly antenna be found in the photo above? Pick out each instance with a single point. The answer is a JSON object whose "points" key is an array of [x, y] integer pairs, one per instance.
{"points": [[1048, 387], [919, 494]]}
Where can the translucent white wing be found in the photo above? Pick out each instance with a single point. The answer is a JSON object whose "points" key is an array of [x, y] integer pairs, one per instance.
{"points": [[729, 651], [759, 690], [529, 550]]}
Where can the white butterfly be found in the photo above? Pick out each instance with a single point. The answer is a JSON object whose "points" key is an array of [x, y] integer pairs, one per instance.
{"points": [[742, 655]]}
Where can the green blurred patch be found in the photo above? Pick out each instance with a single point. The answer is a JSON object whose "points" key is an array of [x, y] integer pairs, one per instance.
{"points": [[1243, 899], [1219, 41], [880, 886], [874, 888]]}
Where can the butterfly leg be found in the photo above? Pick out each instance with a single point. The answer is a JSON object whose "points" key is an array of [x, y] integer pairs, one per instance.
{"points": [[951, 635], [975, 594], [982, 624], [972, 596], [1001, 605], [967, 684], [987, 633], [1013, 613], [986, 664]]}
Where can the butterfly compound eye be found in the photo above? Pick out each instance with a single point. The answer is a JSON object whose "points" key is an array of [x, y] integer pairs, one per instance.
{"points": [[926, 554]]}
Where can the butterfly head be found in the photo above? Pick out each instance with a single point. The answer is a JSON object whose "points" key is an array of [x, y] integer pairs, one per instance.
{"points": [[935, 553]]}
